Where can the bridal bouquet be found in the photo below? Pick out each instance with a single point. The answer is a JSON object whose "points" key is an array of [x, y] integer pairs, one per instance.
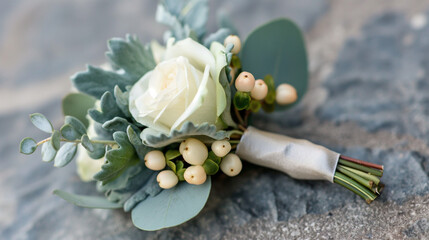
{"points": [[159, 120]]}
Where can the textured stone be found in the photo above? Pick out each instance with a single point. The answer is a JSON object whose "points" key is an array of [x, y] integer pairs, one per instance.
{"points": [[367, 99]]}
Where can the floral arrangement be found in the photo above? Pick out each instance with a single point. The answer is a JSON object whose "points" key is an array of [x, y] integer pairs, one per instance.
{"points": [[158, 121]]}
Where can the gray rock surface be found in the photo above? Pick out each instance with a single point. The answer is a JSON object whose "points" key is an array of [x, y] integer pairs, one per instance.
{"points": [[367, 98]]}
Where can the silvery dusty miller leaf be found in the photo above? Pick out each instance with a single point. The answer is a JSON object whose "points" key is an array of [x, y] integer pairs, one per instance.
{"points": [[204, 132]]}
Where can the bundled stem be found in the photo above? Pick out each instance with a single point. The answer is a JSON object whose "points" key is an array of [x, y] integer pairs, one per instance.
{"points": [[360, 177]]}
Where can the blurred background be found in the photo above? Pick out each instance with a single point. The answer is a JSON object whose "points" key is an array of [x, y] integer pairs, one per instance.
{"points": [[368, 98]]}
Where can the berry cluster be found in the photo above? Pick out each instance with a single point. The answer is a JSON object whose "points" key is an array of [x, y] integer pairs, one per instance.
{"points": [[199, 162]]}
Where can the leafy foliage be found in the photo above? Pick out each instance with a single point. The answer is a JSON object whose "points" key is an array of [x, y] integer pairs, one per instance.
{"points": [[109, 109], [277, 48], [65, 154], [77, 105], [41, 122], [87, 201], [171, 207], [117, 160], [48, 152], [204, 132], [27, 146], [131, 58]]}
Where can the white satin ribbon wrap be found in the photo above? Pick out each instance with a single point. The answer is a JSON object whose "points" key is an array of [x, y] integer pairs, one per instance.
{"points": [[300, 159]]}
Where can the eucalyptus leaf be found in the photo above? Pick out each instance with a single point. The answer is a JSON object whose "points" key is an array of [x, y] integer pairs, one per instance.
{"points": [[41, 122], [171, 207], [69, 132], [27, 146], [87, 201], [277, 48], [65, 154], [48, 152], [117, 160], [76, 124], [77, 105], [99, 151], [56, 139], [205, 132], [87, 144]]}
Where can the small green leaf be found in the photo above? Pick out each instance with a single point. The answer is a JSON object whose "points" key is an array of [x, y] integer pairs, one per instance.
{"points": [[172, 166], [48, 152], [77, 105], [65, 154], [86, 143], [179, 165], [87, 201], [213, 157], [255, 105], [235, 61], [99, 151], [171, 207], [268, 107], [27, 146], [69, 133], [210, 167], [56, 139], [269, 80], [172, 154], [180, 174], [270, 98], [76, 124], [41, 122], [241, 100]]}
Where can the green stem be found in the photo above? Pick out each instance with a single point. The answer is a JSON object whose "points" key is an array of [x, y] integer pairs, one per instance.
{"points": [[368, 194], [105, 142], [238, 132], [351, 188], [369, 170], [367, 176], [234, 141], [367, 183]]}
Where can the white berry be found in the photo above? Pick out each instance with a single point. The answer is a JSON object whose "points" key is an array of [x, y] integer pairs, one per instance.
{"points": [[195, 152], [234, 39], [260, 90], [167, 179], [154, 160], [231, 165], [182, 147], [195, 175], [286, 94], [221, 148], [245, 82]]}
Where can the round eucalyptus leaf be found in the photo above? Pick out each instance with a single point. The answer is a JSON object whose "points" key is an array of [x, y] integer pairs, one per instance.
{"points": [[48, 152], [87, 144], [69, 133], [171, 207], [41, 122], [56, 139], [277, 48], [65, 154], [27, 146]]}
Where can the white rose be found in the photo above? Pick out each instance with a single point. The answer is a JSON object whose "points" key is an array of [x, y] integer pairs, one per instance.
{"points": [[183, 87]]}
